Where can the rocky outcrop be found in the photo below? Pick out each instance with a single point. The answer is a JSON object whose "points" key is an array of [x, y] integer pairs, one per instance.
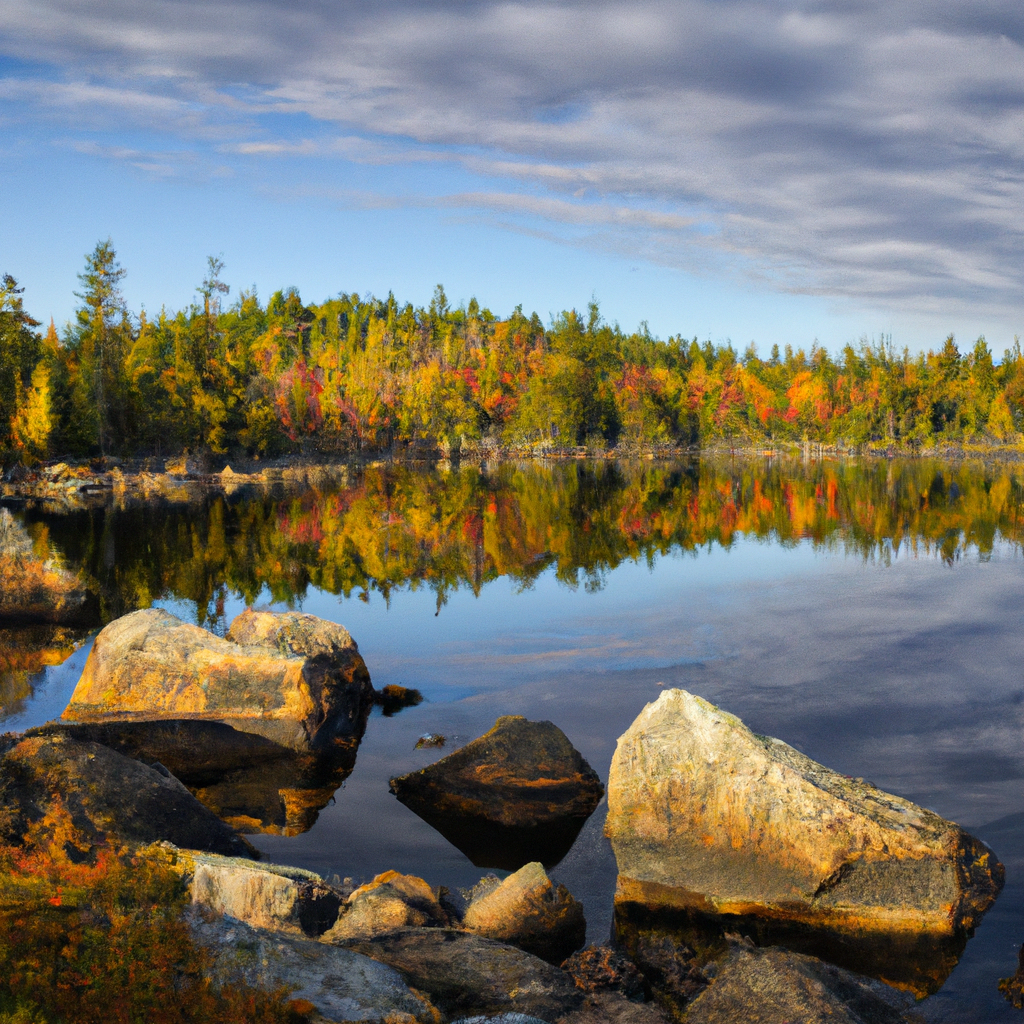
{"points": [[708, 819], [527, 911], [519, 793], [267, 896], [391, 901], [605, 969], [775, 986], [340, 985], [84, 795], [249, 781], [465, 974], [38, 589], [297, 680]]}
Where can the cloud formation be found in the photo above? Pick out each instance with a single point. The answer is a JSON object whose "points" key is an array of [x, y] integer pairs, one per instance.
{"points": [[863, 149]]}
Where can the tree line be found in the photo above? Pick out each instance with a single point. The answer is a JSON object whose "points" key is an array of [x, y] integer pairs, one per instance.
{"points": [[358, 372]]}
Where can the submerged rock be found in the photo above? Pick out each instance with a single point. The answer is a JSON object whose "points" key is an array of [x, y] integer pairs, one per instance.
{"points": [[1013, 987], [775, 986], [391, 901], [296, 680], [527, 911], [466, 974], [85, 794], [342, 985], [519, 793], [719, 825], [37, 589], [267, 896], [249, 781]]}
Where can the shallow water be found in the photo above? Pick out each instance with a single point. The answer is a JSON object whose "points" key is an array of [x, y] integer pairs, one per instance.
{"points": [[868, 615]]}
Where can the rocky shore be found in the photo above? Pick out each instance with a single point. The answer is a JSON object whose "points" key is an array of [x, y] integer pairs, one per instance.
{"points": [[754, 884]]}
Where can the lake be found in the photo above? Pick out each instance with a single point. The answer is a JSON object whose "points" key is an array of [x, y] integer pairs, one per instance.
{"points": [[867, 612]]}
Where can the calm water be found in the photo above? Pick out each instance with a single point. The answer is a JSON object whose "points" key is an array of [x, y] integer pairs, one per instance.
{"points": [[869, 614]]}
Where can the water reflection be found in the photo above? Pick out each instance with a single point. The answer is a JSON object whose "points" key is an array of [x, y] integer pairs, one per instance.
{"points": [[25, 652], [252, 783], [397, 527]]}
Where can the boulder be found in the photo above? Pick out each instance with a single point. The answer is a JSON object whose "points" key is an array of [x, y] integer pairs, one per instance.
{"points": [[296, 679], [267, 896], [604, 969], [775, 986], [391, 901], [249, 781], [37, 589], [527, 911], [340, 984], [708, 819], [466, 974], [519, 793], [83, 794]]}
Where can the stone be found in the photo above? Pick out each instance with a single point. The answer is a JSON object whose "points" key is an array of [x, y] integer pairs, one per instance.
{"points": [[527, 911], [249, 781], [341, 985], [519, 793], [38, 590], [776, 986], [268, 896], [53, 786], [391, 901], [604, 969], [186, 466], [465, 974], [1013, 987], [615, 1008], [709, 820], [295, 679], [670, 969]]}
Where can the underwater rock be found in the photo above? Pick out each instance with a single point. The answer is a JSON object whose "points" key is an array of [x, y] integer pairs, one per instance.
{"points": [[527, 911], [775, 986], [466, 974], [391, 901], [519, 793], [717, 825], [267, 896], [54, 786], [39, 590], [341, 985], [298, 681]]}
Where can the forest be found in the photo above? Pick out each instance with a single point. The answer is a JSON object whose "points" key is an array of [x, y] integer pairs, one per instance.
{"points": [[363, 374]]}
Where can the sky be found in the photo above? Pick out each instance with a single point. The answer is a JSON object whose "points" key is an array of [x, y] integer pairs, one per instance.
{"points": [[739, 170]]}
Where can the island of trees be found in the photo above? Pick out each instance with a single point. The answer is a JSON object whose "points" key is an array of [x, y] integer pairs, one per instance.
{"points": [[363, 373]]}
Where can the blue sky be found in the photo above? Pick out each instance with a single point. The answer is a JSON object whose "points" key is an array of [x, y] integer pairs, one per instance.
{"points": [[753, 171]]}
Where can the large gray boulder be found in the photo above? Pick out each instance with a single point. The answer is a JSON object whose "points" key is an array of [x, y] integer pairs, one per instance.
{"points": [[295, 679], [341, 984], [465, 974], [708, 819], [775, 986]]}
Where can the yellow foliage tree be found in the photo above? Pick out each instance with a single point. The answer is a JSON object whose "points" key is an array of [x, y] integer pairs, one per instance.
{"points": [[32, 423]]}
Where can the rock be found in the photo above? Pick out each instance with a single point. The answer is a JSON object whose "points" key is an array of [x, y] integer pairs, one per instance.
{"points": [[252, 783], [391, 901], [527, 911], [775, 986], [466, 974], [500, 1018], [266, 896], [712, 821], [615, 1008], [52, 785], [393, 698], [1013, 987], [604, 969], [519, 793], [186, 466], [39, 590], [670, 969], [342, 985], [151, 665]]}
